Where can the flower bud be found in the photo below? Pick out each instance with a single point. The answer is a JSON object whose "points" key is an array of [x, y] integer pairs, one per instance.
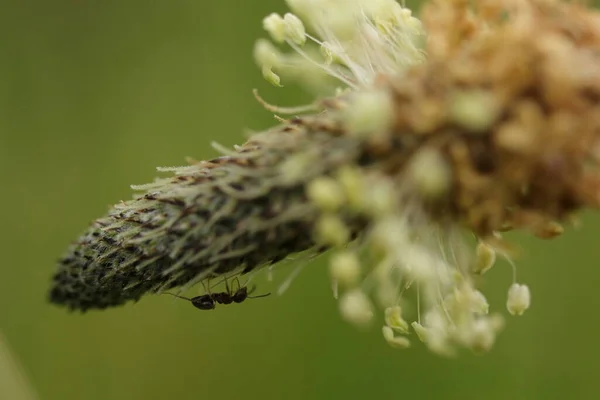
{"points": [[519, 299], [356, 308], [397, 342]]}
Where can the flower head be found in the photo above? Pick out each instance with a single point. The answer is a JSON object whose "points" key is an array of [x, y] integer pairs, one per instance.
{"points": [[463, 132], [496, 129]]}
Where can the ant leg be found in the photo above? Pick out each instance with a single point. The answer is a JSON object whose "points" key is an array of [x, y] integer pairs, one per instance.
{"points": [[227, 288], [223, 280], [206, 288], [180, 297], [225, 297], [239, 286]]}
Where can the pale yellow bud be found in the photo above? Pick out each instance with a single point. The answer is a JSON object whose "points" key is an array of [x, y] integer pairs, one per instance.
{"points": [[345, 268], [356, 308], [326, 193], [479, 304], [480, 334], [266, 54], [397, 342], [267, 57], [430, 173], [474, 110], [393, 319], [275, 27], [332, 230], [484, 259], [370, 113], [271, 76], [327, 54], [519, 299], [352, 181], [293, 169], [420, 330], [294, 29], [381, 198]]}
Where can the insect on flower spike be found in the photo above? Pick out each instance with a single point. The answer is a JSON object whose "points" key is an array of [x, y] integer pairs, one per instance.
{"points": [[208, 301]]}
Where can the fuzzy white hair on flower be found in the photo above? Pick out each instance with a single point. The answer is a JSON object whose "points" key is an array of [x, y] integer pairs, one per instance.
{"points": [[357, 39]]}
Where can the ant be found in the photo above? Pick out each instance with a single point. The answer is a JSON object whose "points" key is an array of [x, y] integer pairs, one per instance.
{"points": [[208, 301]]}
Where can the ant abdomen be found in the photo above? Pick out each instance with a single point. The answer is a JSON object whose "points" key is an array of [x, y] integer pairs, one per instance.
{"points": [[204, 302]]}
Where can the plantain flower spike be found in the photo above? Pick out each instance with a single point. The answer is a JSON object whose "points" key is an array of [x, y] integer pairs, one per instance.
{"points": [[477, 118]]}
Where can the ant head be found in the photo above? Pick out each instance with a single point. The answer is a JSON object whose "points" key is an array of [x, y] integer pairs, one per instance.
{"points": [[204, 302], [240, 295]]}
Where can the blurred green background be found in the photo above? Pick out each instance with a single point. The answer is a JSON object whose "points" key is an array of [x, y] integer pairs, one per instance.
{"points": [[93, 96]]}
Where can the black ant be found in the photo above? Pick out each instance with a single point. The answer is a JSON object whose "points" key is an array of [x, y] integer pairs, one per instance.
{"points": [[208, 301]]}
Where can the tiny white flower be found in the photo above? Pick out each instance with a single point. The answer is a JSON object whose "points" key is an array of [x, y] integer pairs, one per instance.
{"points": [[420, 330], [481, 335], [479, 304], [331, 230], [268, 57], [474, 110], [356, 308], [369, 113], [294, 29], [326, 193], [519, 299], [484, 259], [381, 198], [266, 54], [393, 319], [275, 26], [430, 173], [271, 76], [353, 183], [345, 268], [397, 342]]}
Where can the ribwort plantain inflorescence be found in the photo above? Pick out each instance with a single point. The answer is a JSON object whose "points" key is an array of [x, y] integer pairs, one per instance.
{"points": [[479, 118]]}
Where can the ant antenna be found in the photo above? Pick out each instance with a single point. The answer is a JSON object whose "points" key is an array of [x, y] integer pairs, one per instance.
{"points": [[239, 285], [257, 296], [227, 288], [251, 290], [206, 289]]}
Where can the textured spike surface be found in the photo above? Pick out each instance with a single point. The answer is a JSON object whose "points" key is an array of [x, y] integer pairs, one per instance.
{"points": [[229, 215]]}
